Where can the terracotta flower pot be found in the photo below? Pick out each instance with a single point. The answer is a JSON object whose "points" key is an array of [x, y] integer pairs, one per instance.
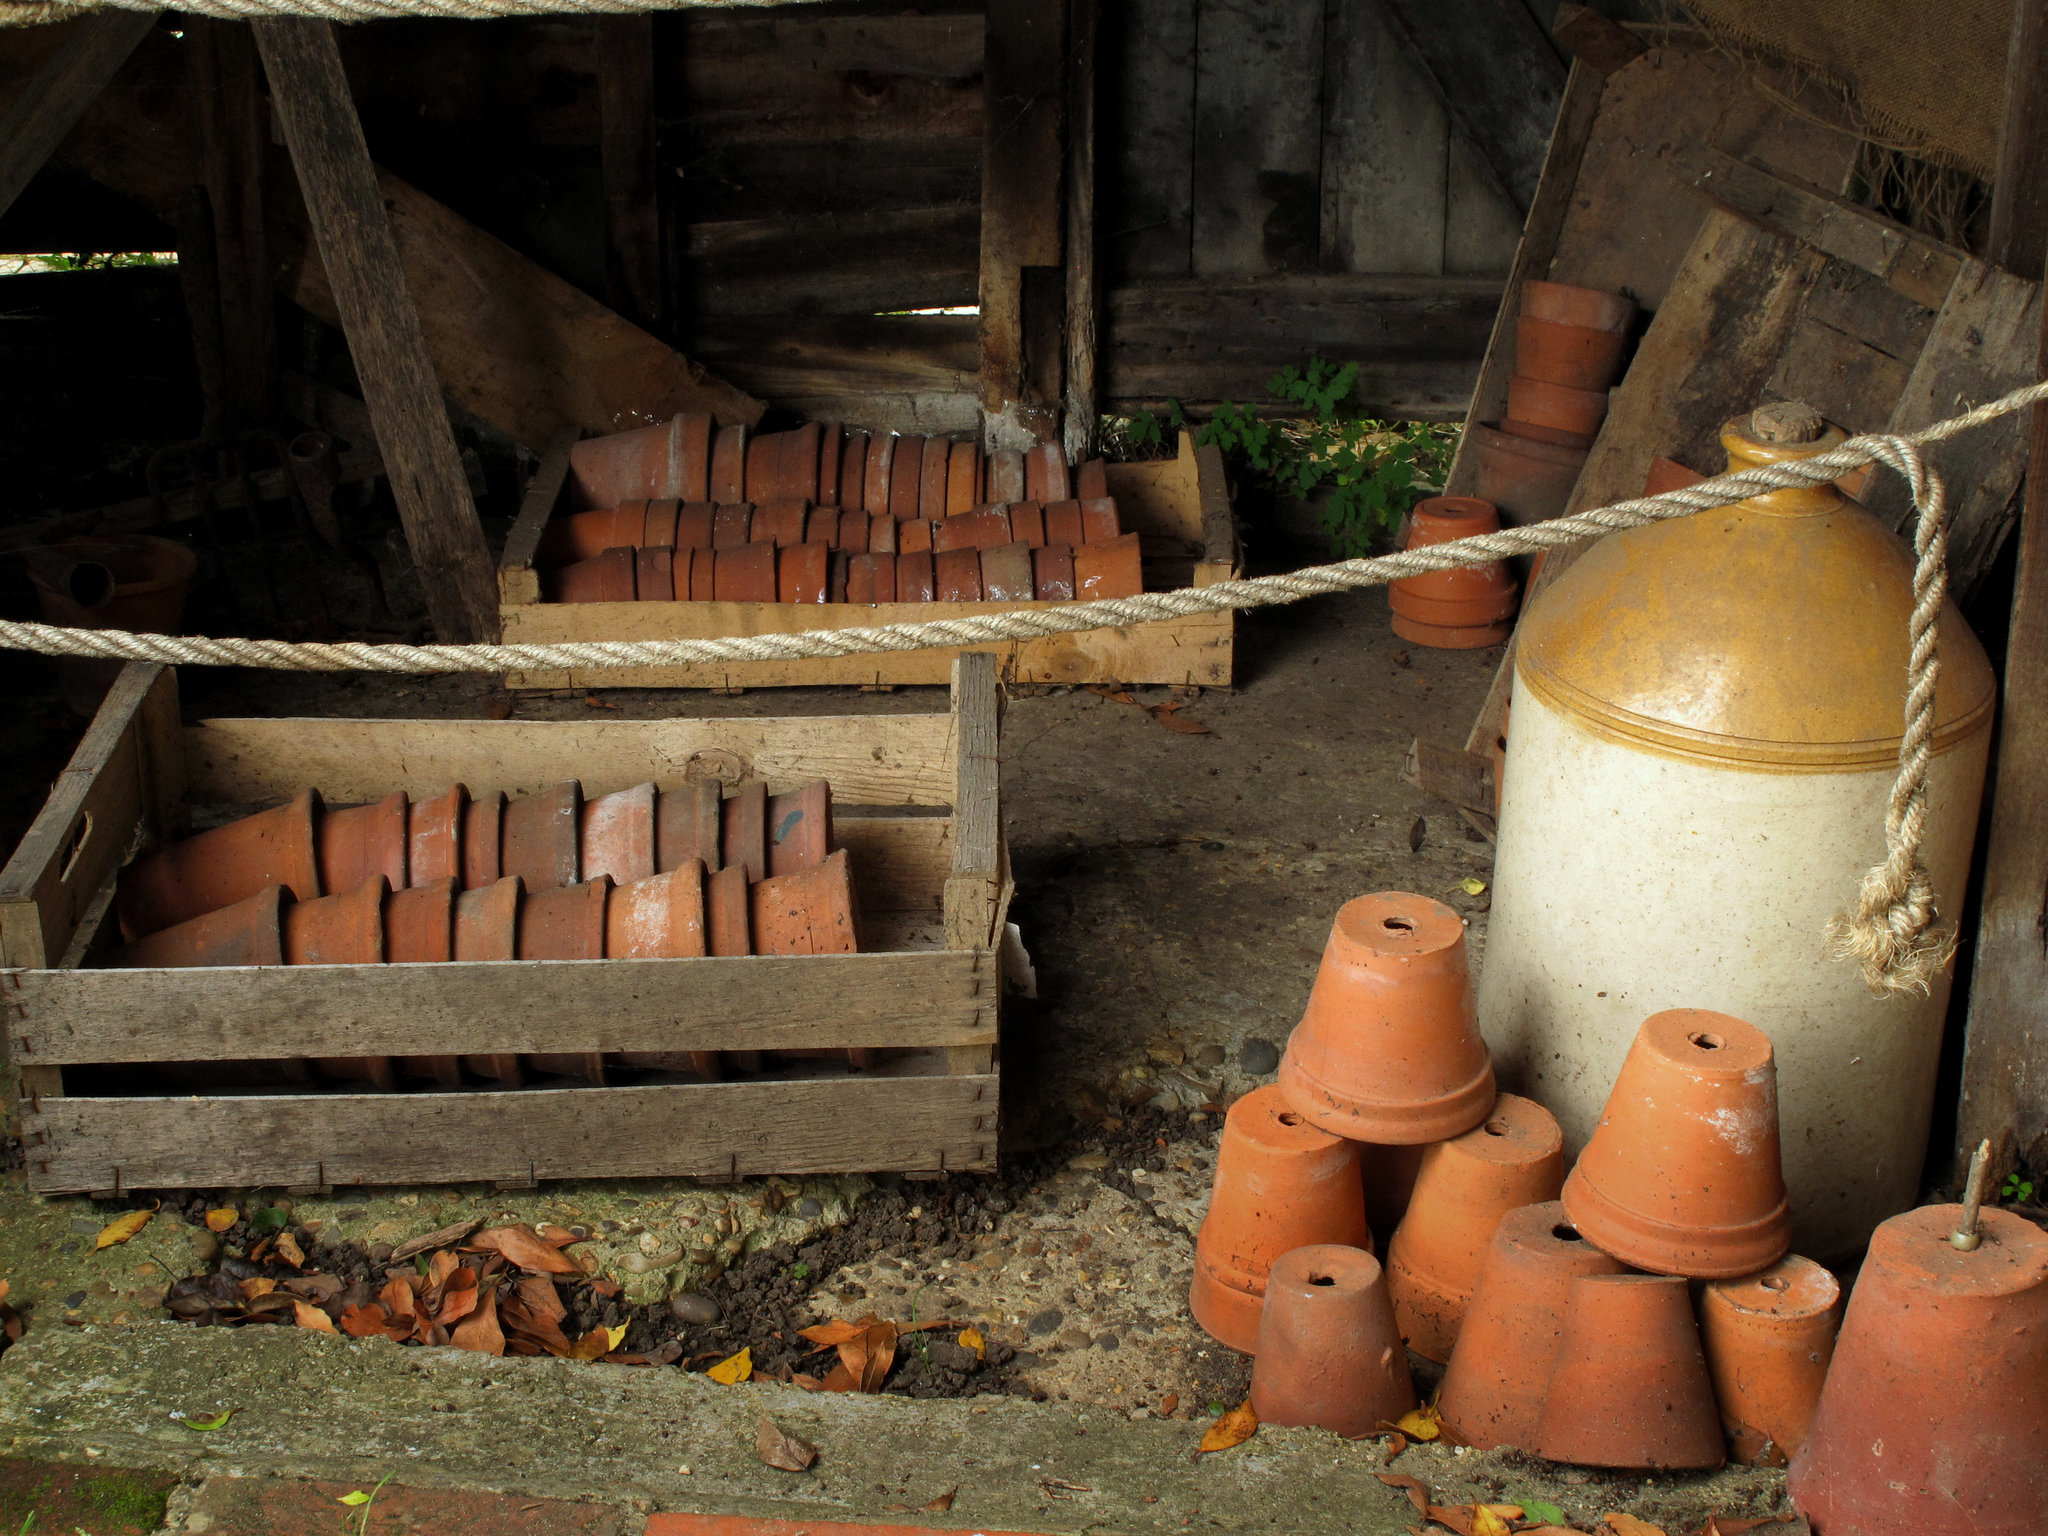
{"points": [[1099, 521], [618, 835], [802, 572], [989, 529], [732, 525], [1045, 473], [605, 578], [853, 471], [1630, 1387], [1556, 405], [780, 523], [1052, 571], [1463, 1189], [669, 458], [1091, 480], [1528, 481], [1934, 1419], [1481, 597], [1536, 434], [662, 517], [1027, 524], [954, 533], [882, 536], [659, 918], [338, 930], [694, 521], [482, 827], [830, 445], [784, 465], [419, 923], [689, 823], [915, 538], [799, 828], [1388, 1050], [1669, 475], [434, 837], [703, 575], [248, 932], [963, 478], [222, 866], [1006, 477], [1580, 356], [743, 843], [359, 841], [916, 578], [1281, 1184], [1328, 1352], [567, 923], [654, 578], [1682, 1174], [487, 928], [1492, 1392], [871, 579], [959, 575], [881, 460], [853, 533], [810, 912], [1769, 1338], [1563, 304], [746, 574], [1452, 637], [541, 838], [1006, 574], [728, 481], [906, 479], [936, 477], [728, 923], [1063, 524], [586, 535], [1109, 568]]}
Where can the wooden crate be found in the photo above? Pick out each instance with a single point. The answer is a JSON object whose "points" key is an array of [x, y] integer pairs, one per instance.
{"points": [[1180, 507], [916, 803]]}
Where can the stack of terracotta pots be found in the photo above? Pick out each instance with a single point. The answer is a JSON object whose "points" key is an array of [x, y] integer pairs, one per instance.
{"points": [[643, 873], [684, 513], [1462, 609]]}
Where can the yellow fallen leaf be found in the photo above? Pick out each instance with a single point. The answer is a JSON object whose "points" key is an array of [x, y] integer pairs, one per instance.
{"points": [[616, 1336], [122, 1228], [1471, 885], [1492, 1519], [221, 1219], [1234, 1428], [734, 1369], [970, 1338], [312, 1317], [1420, 1424]]}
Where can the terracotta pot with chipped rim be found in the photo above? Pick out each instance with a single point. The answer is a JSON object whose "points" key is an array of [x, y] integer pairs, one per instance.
{"points": [[359, 841], [618, 835], [853, 472], [937, 477], [732, 525], [916, 578], [1535, 434], [1281, 1184], [728, 923], [958, 574], [906, 479], [689, 823], [1556, 405], [1934, 1418], [1769, 1338], [1052, 572], [811, 911], [482, 828], [540, 838], [963, 478], [1027, 524], [1492, 1391], [654, 579], [246, 932], [728, 476], [1527, 480], [1630, 1386], [1045, 473], [1565, 304], [1579, 356], [880, 461], [881, 535], [487, 928], [694, 520], [1388, 1049], [221, 866], [800, 827], [1063, 524], [1682, 1174], [743, 840], [1328, 1352], [746, 574], [1099, 521], [801, 573], [1091, 480], [1004, 474], [1463, 1189], [1109, 568], [1478, 601], [1006, 574], [605, 578], [434, 837]]}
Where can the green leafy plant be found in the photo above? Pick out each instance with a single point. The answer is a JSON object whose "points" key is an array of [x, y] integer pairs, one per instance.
{"points": [[2017, 1191], [360, 1501], [91, 261]]}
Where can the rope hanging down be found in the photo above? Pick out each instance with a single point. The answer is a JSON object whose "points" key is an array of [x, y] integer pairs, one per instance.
{"points": [[1895, 933]]}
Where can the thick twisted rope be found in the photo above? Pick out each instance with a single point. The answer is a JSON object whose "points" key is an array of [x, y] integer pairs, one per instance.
{"points": [[27, 13], [1895, 933]]}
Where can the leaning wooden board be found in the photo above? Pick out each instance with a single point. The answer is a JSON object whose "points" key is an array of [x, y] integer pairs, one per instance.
{"points": [[918, 812], [1180, 507]]}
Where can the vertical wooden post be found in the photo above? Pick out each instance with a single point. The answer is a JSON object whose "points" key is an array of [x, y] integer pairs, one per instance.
{"points": [[50, 106], [382, 323], [2018, 238], [1084, 309], [625, 97], [228, 122]]}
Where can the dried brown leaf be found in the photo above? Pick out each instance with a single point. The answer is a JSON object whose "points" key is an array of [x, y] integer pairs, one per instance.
{"points": [[1416, 1489], [538, 1294], [312, 1317], [1628, 1525], [939, 1505], [442, 1237], [525, 1248], [1169, 716], [779, 1448], [254, 1286], [479, 1331], [458, 1299], [1234, 1428], [825, 1335], [287, 1248], [1396, 1444], [221, 1218]]}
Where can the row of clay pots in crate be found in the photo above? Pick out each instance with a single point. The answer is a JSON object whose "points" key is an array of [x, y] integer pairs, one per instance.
{"points": [[905, 477]]}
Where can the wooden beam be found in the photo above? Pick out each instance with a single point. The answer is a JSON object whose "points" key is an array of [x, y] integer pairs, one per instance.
{"points": [[2018, 237], [2005, 1042], [54, 100], [1258, 137], [230, 133], [625, 97], [1084, 298], [310, 95], [1020, 216], [1599, 42]]}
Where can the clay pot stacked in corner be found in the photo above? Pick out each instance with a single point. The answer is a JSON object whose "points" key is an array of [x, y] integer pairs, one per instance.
{"points": [[1466, 607]]}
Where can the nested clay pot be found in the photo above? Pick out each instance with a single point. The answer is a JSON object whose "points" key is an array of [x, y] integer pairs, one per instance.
{"points": [[1052, 570], [669, 458], [915, 538], [963, 478], [541, 837], [1045, 473], [1107, 568], [954, 533], [1329, 1353], [618, 835], [703, 575], [1388, 1050], [1769, 1338], [1682, 1175], [660, 918], [881, 458], [586, 535], [1536, 434], [1091, 480], [1492, 1391], [419, 928], [1556, 405], [871, 579], [728, 923], [567, 923], [851, 531], [247, 932], [882, 536], [1463, 1188], [221, 866], [1281, 1184], [809, 912], [801, 573], [1527, 480], [433, 830], [688, 824], [606, 578], [654, 576], [744, 841], [1006, 574], [728, 482], [482, 827], [800, 827], [916, 578], [958, 573], [780, 523], [906, 479], [1063, 524], [693, 530], [1099, 522], [487, 928], [853, 470], [936, 477], [1934, 1419], [347, 929], [747, 574], [1478, 601], [662, 518], [1630, 1387], [1564, 304], [1005, 477], [1027, 524], [1579, 356], [732, 525], [359, 841]]}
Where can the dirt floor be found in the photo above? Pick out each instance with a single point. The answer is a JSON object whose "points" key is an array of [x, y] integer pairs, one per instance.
{"points": [[1174, 893]]}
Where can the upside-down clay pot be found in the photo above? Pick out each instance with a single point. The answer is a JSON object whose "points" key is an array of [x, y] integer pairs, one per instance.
{"points": [[1006, 574], [1630, 1387], [906, 479], [482, 826], [958, 573], [688, 824], [607, 578], [434, 837], [1528, 481], [916, 579], [728, 923], [1281, 1184], [810, 912], [1463, 1188], [1052, 571], [1006, 476], [1556, 405], [1329, 1354], [1388, 1050], [1492, 1391], [743, 843], [1108, 568], [359, 841], [1934, 1419], [248, 932], [541, 837], [1564, 304], [618, 835], [487, 928], [219, 867], [799, 828], [1578, 356], [1769, 1338], [1475, 604], [1682, 1174]]}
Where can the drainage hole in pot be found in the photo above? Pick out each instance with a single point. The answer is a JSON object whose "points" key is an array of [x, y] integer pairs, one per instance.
{"points": [[1707, 1042], [1397, 925], [1776, 1283], [1565, 1232], [1322, 1279], [1289, 1117], [1496, 1128]]}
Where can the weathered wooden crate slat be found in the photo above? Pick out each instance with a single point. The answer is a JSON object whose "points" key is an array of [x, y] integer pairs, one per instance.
{"points": [[1180, 507], [921, 823]]}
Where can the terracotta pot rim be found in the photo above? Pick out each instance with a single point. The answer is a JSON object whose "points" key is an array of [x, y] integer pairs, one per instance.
{"points": [[1384, 1122], [1449, 637], [1228, 1313], [1490, 436], [1666, 1248]]}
